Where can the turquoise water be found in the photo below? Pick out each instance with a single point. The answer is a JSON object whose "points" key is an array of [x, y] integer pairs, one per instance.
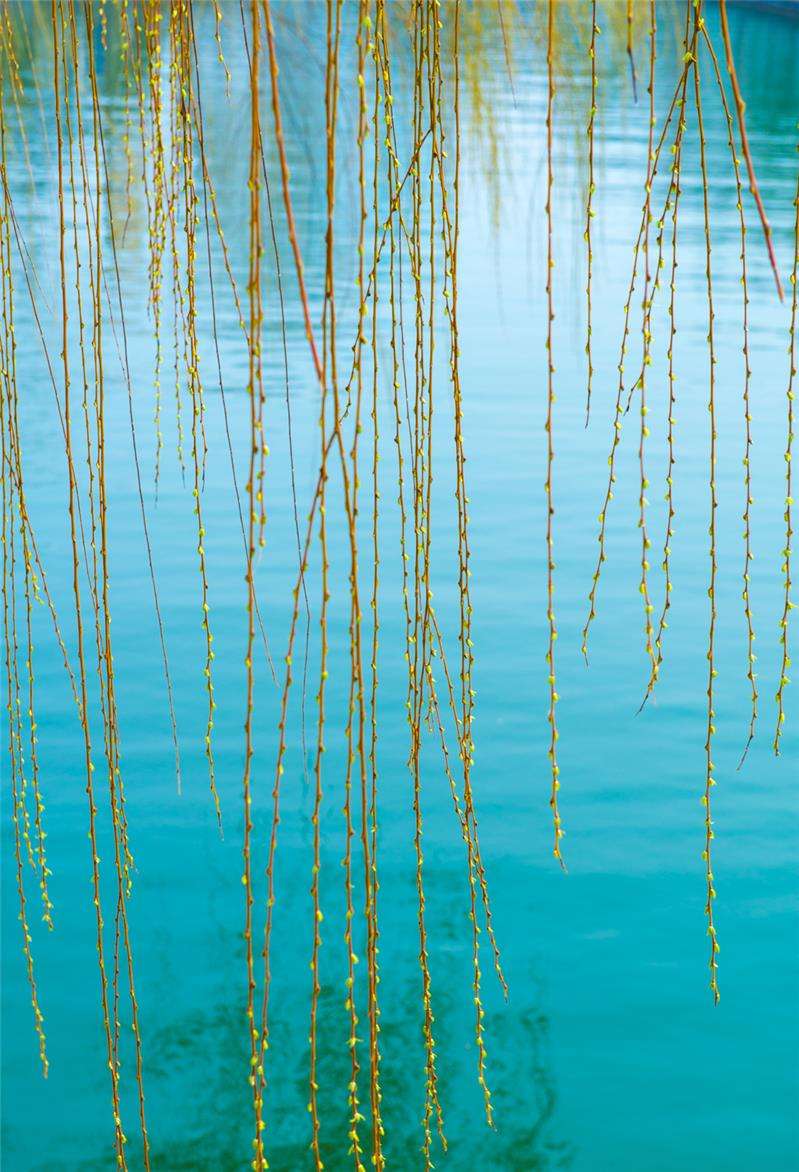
{"points": [[609, 1054]]}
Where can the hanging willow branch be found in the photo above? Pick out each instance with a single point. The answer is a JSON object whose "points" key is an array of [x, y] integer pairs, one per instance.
{"points": [[589, 209], [553, 632], [788, 604]]}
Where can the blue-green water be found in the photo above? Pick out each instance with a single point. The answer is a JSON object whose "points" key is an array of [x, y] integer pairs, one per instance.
{"points": [[609, 1054]]}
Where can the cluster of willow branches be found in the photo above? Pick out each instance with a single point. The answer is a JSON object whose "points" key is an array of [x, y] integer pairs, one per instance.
{"points": [[656, 250], [408, 228], [407, 231]]}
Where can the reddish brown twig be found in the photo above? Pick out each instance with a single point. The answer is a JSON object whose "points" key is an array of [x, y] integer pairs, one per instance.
{"points": [[740, 107], [284, 175]]}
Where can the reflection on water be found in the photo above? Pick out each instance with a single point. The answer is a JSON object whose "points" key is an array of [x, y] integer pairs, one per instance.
{"points": [[608, 1055]]}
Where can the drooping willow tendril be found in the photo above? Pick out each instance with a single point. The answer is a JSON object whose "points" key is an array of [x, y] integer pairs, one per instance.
{"points": [[672, 203], [589, 211], [468, 816], [255, 393], [15, 514], [209, 201], [10, 488], [122, 857], [790, 396], [185, 148], [676, 104], [373, 31], [552, 751], [423, 244], [366, 760], [747, 410], [650, 285], [710, 779], [110, 1022]]}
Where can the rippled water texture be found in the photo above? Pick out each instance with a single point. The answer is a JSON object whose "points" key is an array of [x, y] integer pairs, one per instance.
{"points": [[609, 1055]]}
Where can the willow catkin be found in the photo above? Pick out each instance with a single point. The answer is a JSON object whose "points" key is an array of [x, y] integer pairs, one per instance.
{"points": [[788, 604]]}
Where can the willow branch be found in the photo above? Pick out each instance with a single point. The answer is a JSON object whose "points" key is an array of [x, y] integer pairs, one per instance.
{"points": [[740, 107], [284, 175]]}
